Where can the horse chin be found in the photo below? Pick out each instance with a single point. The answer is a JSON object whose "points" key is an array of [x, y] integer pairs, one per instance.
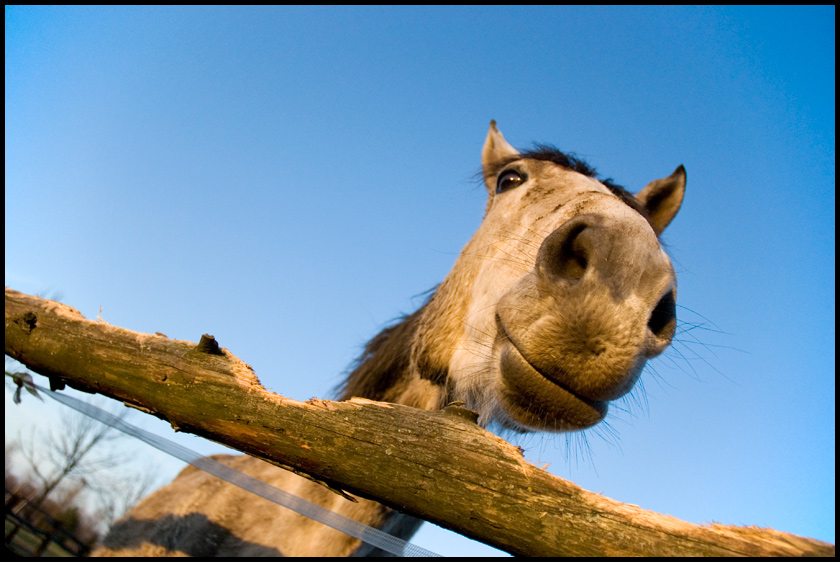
{"points": [[535, 402]]}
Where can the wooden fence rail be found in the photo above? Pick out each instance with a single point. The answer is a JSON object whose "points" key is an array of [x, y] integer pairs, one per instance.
{"points": [[446, 470]]}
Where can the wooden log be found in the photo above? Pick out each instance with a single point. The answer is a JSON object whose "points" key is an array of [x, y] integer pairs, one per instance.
{"points": [[439, 466]]}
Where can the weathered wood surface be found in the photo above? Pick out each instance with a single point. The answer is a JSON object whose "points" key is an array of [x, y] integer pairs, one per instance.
{"points": [[439, 466]]}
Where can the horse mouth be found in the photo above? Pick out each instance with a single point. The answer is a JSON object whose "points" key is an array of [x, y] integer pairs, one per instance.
{"points": [[536, 401]]}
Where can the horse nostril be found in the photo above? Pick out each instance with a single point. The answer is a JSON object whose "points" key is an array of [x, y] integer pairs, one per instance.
{"points": [[573, 256], [565, 253], [663, 319]]}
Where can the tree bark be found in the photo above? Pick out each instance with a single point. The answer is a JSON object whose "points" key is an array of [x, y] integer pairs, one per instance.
{"points": [[439, 466]]}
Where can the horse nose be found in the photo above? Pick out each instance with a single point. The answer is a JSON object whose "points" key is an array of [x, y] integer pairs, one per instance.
{"points": [[624, 263]]}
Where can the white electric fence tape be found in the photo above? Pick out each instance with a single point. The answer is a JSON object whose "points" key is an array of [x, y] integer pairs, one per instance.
{"points": [[375, 537]]}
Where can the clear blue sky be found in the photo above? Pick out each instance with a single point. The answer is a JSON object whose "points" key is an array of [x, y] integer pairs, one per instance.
{"points": [[289, 179]]}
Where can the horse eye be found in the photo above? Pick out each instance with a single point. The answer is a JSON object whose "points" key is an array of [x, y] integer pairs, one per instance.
{"points": [[509, 180]]}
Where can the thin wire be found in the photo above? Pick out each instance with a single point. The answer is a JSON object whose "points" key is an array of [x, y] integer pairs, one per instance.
{"points": [[366, 533]]}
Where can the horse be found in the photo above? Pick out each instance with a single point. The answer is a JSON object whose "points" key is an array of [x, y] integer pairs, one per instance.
{"points": [[550, 313]]}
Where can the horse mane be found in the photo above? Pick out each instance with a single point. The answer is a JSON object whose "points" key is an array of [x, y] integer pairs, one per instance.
{"points": [[383, 362]]}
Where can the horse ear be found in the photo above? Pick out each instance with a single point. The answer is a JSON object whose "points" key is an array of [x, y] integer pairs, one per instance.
{"points": [[662, 199], [495, 149]]}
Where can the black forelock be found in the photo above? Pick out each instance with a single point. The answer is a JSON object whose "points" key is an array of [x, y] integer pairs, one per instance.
{"points": [[568, 160], [571, 161]]}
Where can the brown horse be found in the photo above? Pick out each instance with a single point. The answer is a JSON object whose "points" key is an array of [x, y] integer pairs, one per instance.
{"points": [[550, 312]]}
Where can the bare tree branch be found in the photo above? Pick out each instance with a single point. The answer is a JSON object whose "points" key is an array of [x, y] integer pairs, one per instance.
{"points": [[75, 450], [439, 466]]}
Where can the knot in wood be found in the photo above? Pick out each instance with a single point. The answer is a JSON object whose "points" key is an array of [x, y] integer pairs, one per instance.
{"points": [[27, 321]]}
